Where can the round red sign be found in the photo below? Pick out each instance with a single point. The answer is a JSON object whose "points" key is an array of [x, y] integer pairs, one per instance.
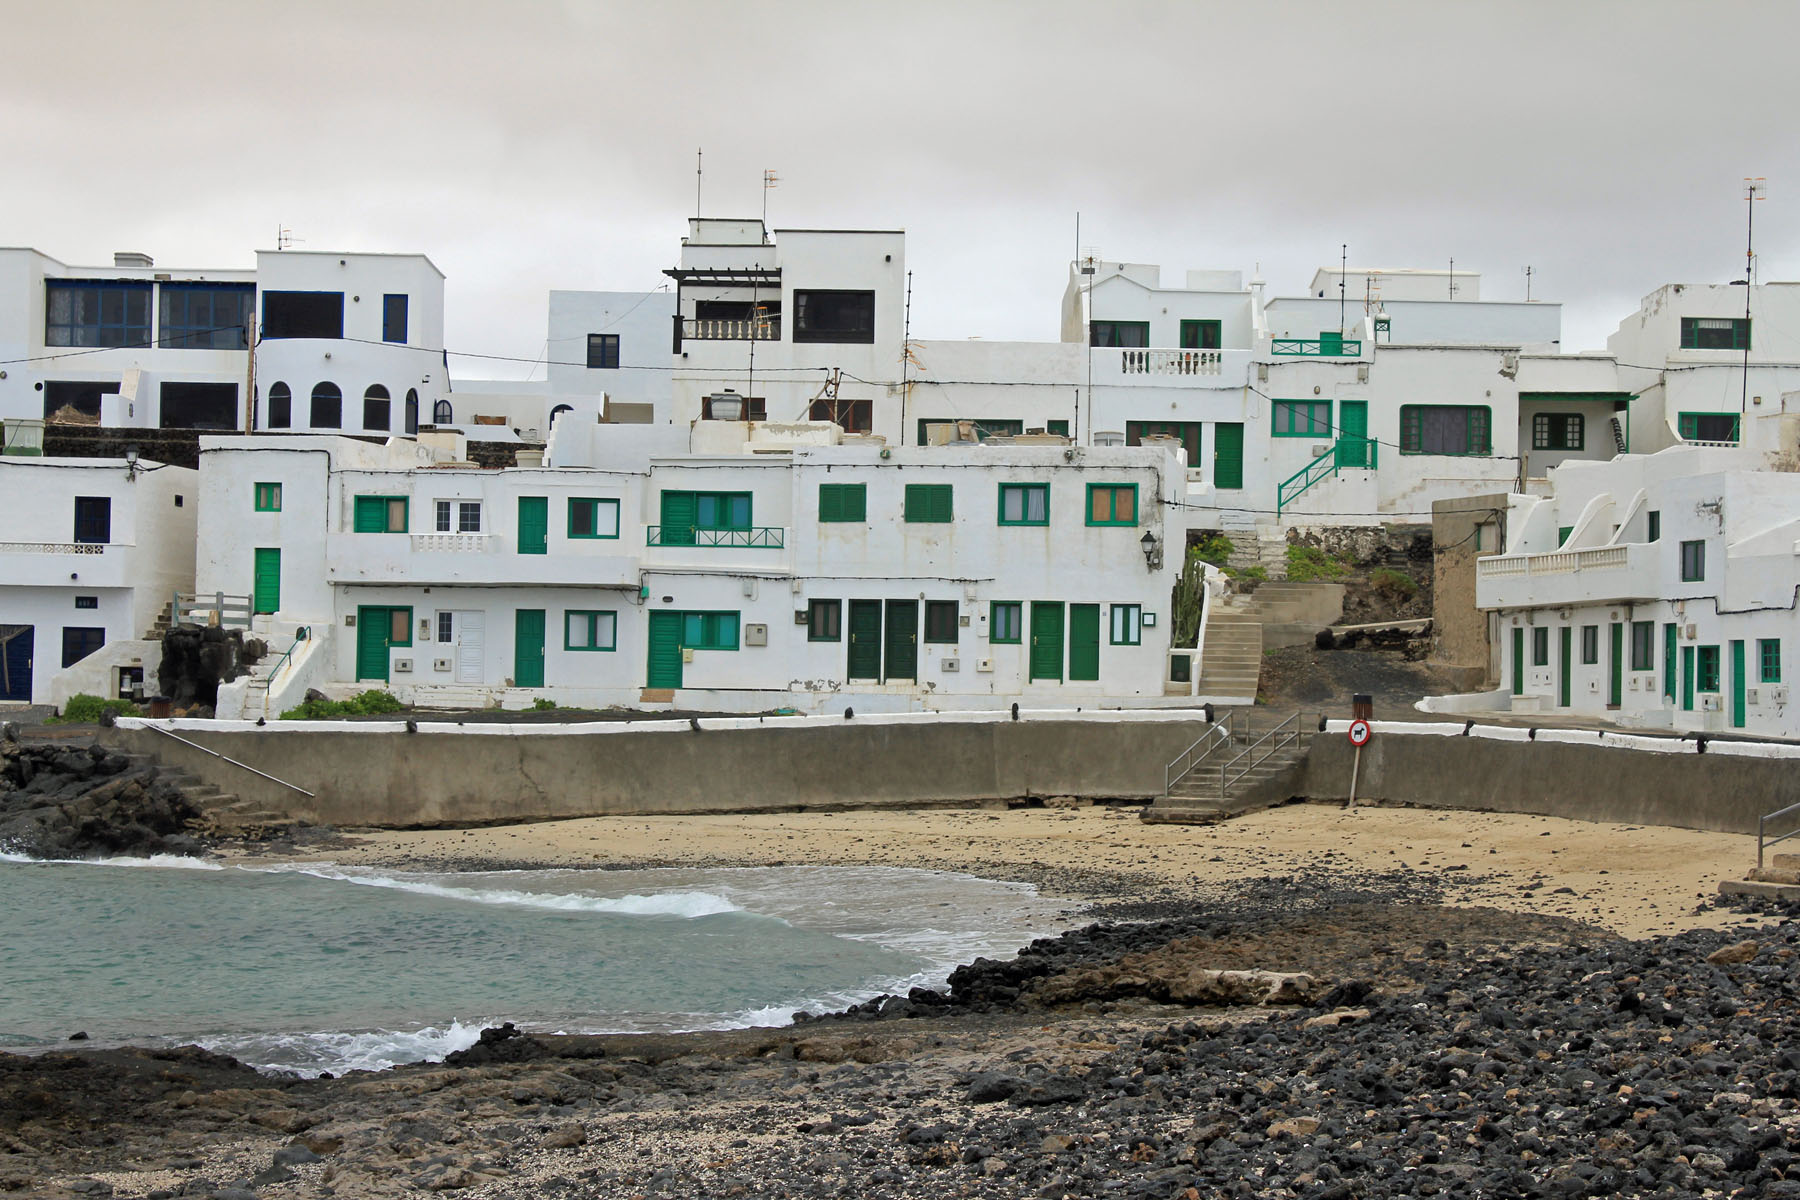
{"points": [[1359, 733]]}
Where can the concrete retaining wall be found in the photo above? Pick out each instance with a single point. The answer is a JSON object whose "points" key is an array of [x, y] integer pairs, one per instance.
{"points": [[376, 774], [1582, 775]]}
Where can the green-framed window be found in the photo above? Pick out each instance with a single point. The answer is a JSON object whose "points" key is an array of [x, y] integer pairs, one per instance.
{"points": [[1446, 429], [1540, 647], [1024, 504], [844, 502], [1653, 526], [593, 517], [1006, 622], [722, 510], [1768, 655], [1693, 561], [1060, 428], [1127, 624], [1112, 504], [590, 629], [1707, 426], [1706, 669], [943, 622], [824, 621], [1558, 431], [1715, 333], [1301, 418], [709, 630], [1643, 645], [1201, 335], [1590, 645], [268, 497], [379, 514], [929, 503], [1562, 534], [1119, 333]]}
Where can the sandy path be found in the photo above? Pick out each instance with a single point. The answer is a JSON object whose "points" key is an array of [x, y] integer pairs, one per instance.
{"points": [[1635, 880]]}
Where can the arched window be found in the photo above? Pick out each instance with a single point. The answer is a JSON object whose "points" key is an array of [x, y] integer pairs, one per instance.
{"points": [[558, 411], [412, 410], [440, 413], [327, 407], [281, 406], [378, 410]]}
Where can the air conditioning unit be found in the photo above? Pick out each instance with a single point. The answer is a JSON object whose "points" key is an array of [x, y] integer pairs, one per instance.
{"points": [[440, 664], [403, 666], [1709, 702], [952, 664]]}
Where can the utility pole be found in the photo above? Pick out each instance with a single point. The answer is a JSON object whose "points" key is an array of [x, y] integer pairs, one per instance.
{"points": [[250, 370], [1528, 284], [699, 160], [1754, 190], [905, 358], [1343, 266]]}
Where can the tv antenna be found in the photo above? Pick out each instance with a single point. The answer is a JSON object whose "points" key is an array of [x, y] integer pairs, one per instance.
{"points": [[284, 237], [770, 179], [1528, 284]]}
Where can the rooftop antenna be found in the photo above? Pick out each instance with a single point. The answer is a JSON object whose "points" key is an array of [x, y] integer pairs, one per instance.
{"points": [[698, 162], [770, 179], [1754, 189], [284, 237], [1453, 278], [1343, 269], [1528, 284]]}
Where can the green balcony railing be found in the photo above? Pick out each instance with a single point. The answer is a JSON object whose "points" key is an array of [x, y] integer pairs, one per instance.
{"points": [[758, 537], [1350, 452], [1319, 347]]}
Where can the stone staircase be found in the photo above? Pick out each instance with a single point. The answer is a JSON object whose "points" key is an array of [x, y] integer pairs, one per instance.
{"points": [[1266, 777], [1293, 613], [1231, 665], [1255, 542], [222, 814], [164, 621], [256, 687]]}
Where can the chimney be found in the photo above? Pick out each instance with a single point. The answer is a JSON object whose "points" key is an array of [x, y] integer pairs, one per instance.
{"points": [[132, 258]]}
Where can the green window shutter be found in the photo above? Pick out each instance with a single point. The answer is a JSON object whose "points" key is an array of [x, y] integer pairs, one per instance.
{"points": [[680, 511], [929, 503], [370, 515], [831, 502], [843, 502], [940, 504], [856, 502]]}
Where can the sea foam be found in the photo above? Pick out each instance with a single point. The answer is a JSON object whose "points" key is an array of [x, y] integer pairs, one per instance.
{"points": [[665, 904]]}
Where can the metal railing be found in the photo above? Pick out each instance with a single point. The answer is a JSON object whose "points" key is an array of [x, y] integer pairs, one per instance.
{"points": [[1287, 733], [233, 611], [1317, 347], [1185, 762], [234, 762], [713, 329], [300, 635], [757, 537], [1351, 452], [1762, 830]]}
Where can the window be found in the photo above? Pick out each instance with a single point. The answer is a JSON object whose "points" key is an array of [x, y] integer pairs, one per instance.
{"points": [[1708, 427], [834, 316], [941, 621], [983, 430], [590, 630], [1590, 644], [1060, 428], [281, 406], [1200, 335], [1006, 622], [1187, 431], [709, 630], [1706, 669], [96, 313], [593, 518], [603, 351], [1024, 504], [93, 519], [1693, 561], [721, 510], [87, 602], [83, 397], [754, 408], [393, 317], [1643, 645], [1557, 431], [1444, 429], [928, 503], [198, 406], [327, 407], [852, 416], [1127, 624], [378, 409], [1715, 333], [204, 316], [1302, 418], [303, 315], [1119, 333], [268, 497], [843, 502], [824, 621], [1540, 647], [1768, 652], [1654, 523], [441, 414], [1112, 504], [79, 642], [458, 516], [379, 514], [446, 627], [1562, 534], [412, 410]]}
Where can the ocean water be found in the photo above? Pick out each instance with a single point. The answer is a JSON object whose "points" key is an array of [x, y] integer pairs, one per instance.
{"points": [[316, 967]]}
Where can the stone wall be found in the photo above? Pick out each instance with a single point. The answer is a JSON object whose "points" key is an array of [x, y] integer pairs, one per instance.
{"points": [[1459, 629]]}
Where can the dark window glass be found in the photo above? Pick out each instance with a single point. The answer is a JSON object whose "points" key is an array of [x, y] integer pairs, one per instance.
{"points": [[378, 410], [1557, 431], [93, 519], [823, 621], [96, 313], [1200, 335], [441, 414], [1444, 429], [1119, 333], [821, 316], [198, 406], [83, 398], [603, 351], [1708, 427], [393, 318], [303, 314], [1590, 644], [1540, 647], [1706, 666], [1653, 523], [1643, 645], [78, 643], [327, 407], [1006, 622], [1768, 651], [204, 316], [281, 406], [1715, 333], [1693, 561], [941, 621], [852, 416], [412, 410], [983, 430], [87, 602]]}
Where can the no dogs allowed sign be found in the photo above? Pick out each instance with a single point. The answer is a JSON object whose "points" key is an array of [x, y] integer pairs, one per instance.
{"points": [[1359, 734]]}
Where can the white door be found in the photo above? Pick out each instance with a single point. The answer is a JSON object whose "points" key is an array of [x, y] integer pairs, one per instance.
{"points": [[470, 628]]}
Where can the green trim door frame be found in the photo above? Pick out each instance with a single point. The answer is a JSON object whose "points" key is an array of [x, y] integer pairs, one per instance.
{"points": [[1518, 657], [266, 574], [1084, 643], [1046, 640], [1737, 684], [1228, 455], [376, 625], [534, 524], [1615, 689], [902, 642], [1565, 641], [664, 650], [1353, 434], [1669, 661], [528, 647], [1687, 679], [864, 660]]}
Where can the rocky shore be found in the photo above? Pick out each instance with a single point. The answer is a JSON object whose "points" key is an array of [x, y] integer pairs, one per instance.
{"points": [[1323, 1036], [72, 799]]}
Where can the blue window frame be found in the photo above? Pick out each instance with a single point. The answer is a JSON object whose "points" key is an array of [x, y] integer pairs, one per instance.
{"points": [[80, 312], [204, 316]]}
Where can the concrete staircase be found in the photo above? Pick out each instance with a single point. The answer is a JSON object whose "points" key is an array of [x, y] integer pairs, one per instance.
{"points": [[1780, 880], [1266, 777], [164, 621], [1255, 542], [1231, 665], [256, 687], [1293, 613], [222, 814]]}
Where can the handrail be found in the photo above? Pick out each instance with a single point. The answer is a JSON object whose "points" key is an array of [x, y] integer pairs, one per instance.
{"points": [[1762, 824], [234, 762], [1292, 737], [1171, 777], [300, 635], [1366, 447]]}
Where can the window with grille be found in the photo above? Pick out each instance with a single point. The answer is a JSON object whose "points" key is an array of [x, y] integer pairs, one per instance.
{"points": [[1557, 431], [1445, 429], [1715, 333]]}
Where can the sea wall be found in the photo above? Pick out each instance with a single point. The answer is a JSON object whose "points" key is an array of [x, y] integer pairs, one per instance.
{"points": [[1585, 775], [378, 774]]}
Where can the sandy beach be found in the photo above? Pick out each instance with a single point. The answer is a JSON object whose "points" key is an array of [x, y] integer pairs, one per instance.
{"points": [[1634, 880]]}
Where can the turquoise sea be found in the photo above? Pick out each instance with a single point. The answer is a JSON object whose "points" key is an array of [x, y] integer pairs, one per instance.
{"points": [[316, 967]]}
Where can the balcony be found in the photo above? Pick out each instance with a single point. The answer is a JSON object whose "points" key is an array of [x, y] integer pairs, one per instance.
{"points": [[450, 543], [1139, 366], [759, 537], [1319, 347], [65, 564], [715, 329], [469, 559], [1601, 575]]}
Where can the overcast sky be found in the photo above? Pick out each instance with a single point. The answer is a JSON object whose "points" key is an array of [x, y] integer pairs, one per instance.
{"points": [[531, 144]]}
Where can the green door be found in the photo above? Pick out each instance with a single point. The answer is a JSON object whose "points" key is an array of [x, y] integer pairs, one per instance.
{"points": [[1615, 688], [1228, 454], [528, 646], [268, 579], [665, 650], [1687, 679], [680, 512], [534, 524], [1353, 431], [1564, 658], [865, 640], [1669, 661], [1046, 640], [1518, 676], [1084, 641], [1737, 685], [377, 628], [902, 639]]}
